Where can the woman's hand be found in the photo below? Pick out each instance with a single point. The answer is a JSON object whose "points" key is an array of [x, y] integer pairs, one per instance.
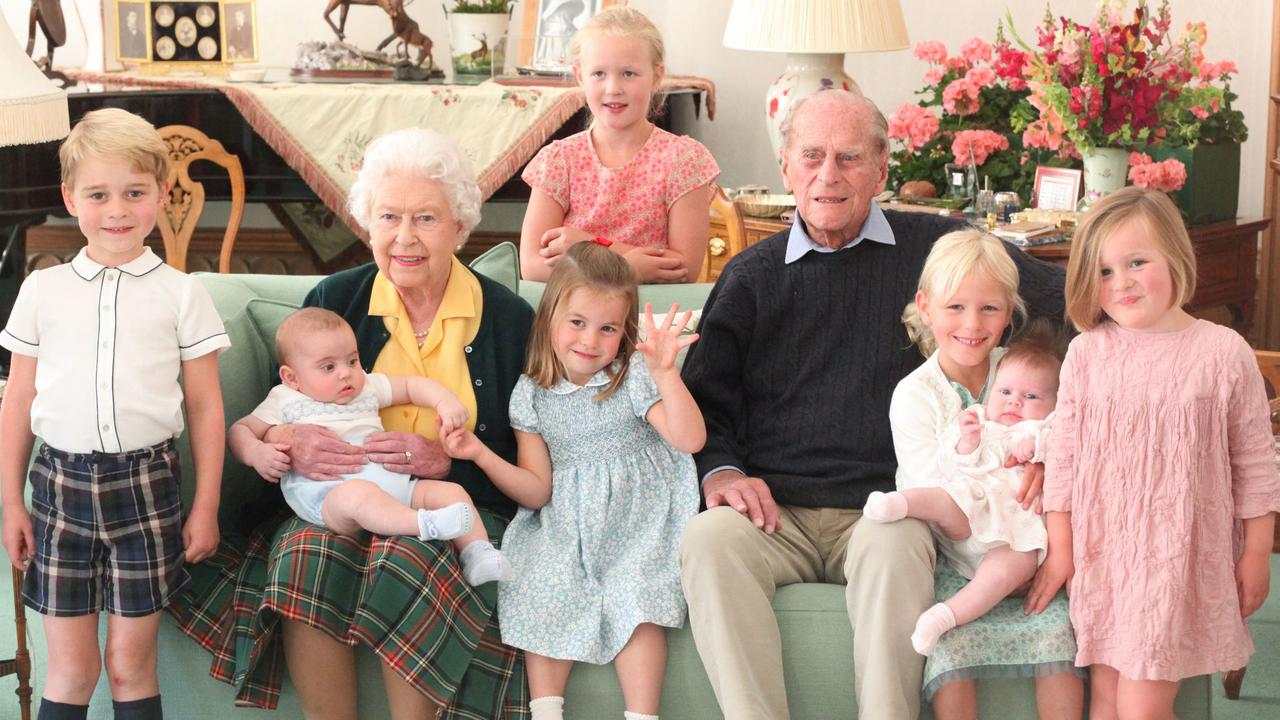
{"points": [[407, 453], [557, 241], [662, 344], [19, 539], [1253, 581], [271, 460], [656, 265], [462, 444], [1053, 574], [317, 452], [200, 535]]}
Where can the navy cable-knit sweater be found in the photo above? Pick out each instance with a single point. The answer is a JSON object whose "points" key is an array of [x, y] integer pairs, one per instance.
{"points": [[796, 363]]}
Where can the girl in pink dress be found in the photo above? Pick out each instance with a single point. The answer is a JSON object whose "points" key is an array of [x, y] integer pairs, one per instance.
{"points": [[624, 183], [1162, 449]]}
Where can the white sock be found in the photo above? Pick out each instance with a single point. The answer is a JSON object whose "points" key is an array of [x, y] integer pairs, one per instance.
{"points": [[932, 624], [482, 563], [446, 523], [550, 707], [885, 507], [628, 715]]}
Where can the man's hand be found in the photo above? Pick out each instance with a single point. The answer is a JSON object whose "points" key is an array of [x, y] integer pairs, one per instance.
{"points": [[748, 495], [271, 460], [1053, 574]]}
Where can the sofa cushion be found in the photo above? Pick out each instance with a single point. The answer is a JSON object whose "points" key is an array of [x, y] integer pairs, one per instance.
{"points": [[267, 315], [500, 263]]}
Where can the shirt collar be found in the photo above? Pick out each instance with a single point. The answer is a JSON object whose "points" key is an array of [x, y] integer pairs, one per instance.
{"points": [[564, 387], [384, 300], [875, 228], [88, 269]]}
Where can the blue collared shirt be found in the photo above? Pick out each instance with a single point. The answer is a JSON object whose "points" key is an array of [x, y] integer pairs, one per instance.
{"points": [[875, 228]]}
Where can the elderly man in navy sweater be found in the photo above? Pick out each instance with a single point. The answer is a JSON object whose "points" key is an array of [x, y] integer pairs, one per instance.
{"points": [[801, 348]]}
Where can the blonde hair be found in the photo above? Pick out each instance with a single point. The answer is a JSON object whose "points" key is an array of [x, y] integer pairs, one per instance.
{"points": [[620, 21], [600, 270], [301, 323], [1163, 224], [114, 134], [954, 257]]}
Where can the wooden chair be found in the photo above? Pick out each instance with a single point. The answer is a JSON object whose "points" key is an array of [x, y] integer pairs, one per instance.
{"points": [[735, 231], [186, 196], [20, 664], [1269, 365]]}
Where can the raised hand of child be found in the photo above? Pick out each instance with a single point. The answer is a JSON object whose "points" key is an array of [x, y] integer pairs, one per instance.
{"points": [[662, 344], [271, 460], [1024, 450], [451, 414], [19, 539], [462, 444], [200, 535], [970, 432]]}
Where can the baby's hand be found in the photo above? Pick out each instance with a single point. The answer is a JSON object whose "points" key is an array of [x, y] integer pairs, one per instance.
{"points": [[270, 460], [663, 343], [462, 444], [1024, 450], [452, 414], [970, 432]]}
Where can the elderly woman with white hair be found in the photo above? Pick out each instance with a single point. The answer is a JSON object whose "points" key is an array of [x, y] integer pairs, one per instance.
{"points": [[415, 310]]}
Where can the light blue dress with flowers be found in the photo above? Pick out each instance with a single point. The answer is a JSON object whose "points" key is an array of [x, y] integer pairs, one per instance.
{"points": [[602, 556]]}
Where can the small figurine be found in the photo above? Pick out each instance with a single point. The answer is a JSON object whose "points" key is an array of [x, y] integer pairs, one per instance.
{"points": [[390, 7]]}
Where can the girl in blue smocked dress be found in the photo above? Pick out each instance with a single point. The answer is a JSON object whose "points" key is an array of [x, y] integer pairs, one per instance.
{"points": [[604, 427]]}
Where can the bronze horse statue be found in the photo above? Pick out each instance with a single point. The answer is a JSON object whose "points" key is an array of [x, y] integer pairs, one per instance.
{"points": [[390, 7], [404, 29]]}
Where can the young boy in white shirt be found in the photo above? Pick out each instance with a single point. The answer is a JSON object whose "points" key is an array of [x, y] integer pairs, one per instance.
{"points": [[97, 347]]}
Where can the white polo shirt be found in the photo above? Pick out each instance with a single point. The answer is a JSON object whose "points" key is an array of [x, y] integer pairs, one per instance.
{"points": [[109, 344]]}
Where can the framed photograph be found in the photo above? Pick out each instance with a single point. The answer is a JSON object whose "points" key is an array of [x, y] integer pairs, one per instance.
{"points": [[241, 37], [133, 36], [548, 28], [1057, 188]]}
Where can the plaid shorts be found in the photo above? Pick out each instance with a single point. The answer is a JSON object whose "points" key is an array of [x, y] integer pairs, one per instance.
{"points": [[108, 532]]}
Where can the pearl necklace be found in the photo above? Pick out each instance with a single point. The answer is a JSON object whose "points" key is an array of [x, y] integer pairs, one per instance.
{"points": [[421, 337]]}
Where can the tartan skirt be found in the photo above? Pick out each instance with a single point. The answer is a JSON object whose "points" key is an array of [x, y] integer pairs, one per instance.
{"points": [[403, 598]]}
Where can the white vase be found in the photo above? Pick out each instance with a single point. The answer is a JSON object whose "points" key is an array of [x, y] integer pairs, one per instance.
{"points": [[477, 45], [1105, 171], [806, 74]]}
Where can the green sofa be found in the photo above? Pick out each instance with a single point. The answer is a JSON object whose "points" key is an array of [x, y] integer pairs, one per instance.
{"points": [[817, 640]]}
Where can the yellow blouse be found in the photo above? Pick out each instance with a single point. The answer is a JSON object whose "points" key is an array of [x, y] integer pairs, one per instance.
{"points": [[441, 357]]}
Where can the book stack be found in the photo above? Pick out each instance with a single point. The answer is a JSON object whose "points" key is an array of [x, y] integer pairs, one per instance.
{"points": [[1027, 233]]}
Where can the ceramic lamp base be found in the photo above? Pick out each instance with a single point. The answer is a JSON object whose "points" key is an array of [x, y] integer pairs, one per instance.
{"points": [[806, 74]]}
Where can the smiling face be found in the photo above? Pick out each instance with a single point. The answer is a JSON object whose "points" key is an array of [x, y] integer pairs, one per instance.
{"points": [[413, 232], [832, 165], [1023, 391], [589, 326], [325, 366], [1135, 285], [619, 77], [967, 326], [116, 207]]}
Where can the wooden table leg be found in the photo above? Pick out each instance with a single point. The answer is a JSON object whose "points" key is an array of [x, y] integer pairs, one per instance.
{"points": [[1231, 682]]}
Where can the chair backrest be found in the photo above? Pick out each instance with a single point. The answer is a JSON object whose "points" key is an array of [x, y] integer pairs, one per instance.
{"points": [[1269, 364], [735, 231], [186, 196]]}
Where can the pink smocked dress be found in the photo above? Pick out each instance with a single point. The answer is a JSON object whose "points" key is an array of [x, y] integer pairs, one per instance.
{"points": [[1161, 445], [627, 204]]}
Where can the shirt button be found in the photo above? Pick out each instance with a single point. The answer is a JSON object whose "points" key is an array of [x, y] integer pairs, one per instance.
{"points": [[479, 382], [481, 427], [105, 345], [106, 428], [467, 349], [111, 277]]}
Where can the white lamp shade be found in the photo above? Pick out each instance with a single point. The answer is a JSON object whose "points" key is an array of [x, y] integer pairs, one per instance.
{"points": [[32, 109], [816, 26]]}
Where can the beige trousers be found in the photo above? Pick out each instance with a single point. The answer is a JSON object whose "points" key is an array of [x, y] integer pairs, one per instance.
{"points": [[730, 571]]}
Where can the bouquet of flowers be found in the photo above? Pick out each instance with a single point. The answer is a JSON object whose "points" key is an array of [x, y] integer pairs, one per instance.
{"points": [[979, 93], [1120, 80]]}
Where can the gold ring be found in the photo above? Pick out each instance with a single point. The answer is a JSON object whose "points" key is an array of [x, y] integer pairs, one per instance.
{"points": [[408, 457]]}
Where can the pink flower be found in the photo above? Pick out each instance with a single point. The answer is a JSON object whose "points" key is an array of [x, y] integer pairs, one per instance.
{"points": [[976, 50], [1199, 111], [1137, 158], [931, 51], [981, 75], [1166, 176], [933, 76], [913, 125], [1216, 71], [958, 64], [960, 97], [980, 142]]}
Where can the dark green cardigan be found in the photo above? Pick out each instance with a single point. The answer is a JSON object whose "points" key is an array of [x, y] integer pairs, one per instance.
{"points": [[495, 359]]}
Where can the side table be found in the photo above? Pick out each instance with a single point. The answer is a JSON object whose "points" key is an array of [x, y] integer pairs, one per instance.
{"points": [[20, 664]]}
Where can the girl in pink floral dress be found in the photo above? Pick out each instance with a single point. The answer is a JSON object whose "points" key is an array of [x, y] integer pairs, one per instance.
{"points": [[1162, 449], [624, 183]]}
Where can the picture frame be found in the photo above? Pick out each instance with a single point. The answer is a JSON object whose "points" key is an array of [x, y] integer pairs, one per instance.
{"points": [[164, 35], [240, 34], [132, 31], [547, 28], [1057, 188]]}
